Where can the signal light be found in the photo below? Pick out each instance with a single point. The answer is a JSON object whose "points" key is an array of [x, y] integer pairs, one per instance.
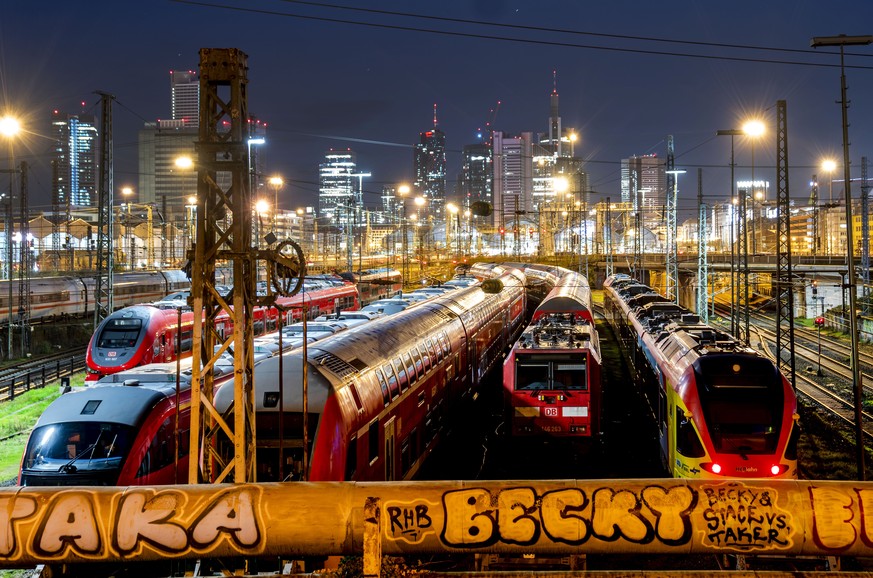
{"points": [[819, 321]]}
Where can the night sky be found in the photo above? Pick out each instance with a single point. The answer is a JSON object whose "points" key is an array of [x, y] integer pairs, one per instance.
{"points": [[321, 79]]}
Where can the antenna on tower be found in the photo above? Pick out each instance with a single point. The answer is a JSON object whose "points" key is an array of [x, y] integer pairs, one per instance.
{"points": [[554, 81], [434, 115]]}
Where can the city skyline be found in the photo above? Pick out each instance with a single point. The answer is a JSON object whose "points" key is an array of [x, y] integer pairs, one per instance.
{"points": [[340, 85]]}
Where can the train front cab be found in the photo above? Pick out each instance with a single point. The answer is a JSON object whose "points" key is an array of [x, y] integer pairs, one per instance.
{"points": [[740, 422], [554, 392]]}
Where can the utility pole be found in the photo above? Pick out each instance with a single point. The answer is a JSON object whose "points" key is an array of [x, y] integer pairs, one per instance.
{"points": [[865, 236], [785, 275], [842, 41], [105, 192], [223, 103], [702, 247], [607, 240], [24, 267]]}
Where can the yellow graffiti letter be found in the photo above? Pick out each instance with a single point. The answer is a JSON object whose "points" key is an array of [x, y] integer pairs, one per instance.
{"points": [[865, 499], [233, 514], [617, 514], [469, 518], [71, 521], [562, 516], [832, 518], [671, 507], [12, 509], [515, 521], [144, 515]]}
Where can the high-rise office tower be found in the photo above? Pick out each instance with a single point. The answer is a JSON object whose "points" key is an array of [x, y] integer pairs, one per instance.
{"points": [[512, 176], [75, 159], [477, 173], [643, 185], [429, 168], [336, 186], [185, 91]]}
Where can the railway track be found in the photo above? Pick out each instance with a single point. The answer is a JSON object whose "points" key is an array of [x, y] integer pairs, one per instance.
{"points": [[39, 371]]}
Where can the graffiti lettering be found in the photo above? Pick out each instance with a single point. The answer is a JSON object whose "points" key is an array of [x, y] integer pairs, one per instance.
{"points": [[69, 523], [145, 516], [13, 509], [745, 518], [475, 518], [409, 522], [836, 523], [232, 514]]}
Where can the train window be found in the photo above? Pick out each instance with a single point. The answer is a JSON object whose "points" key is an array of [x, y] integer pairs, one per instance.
{"points": [[687, 441], [569, 375], [272, 323], [160, 452], [187, 339], [425, 357], [373, 442], [258, 326], [410, 367], [383, 385], [352, 458], [120, 333], [393, 386], [401, 374], [435, 352], [443, 339], [405, 456], [530, 375]]}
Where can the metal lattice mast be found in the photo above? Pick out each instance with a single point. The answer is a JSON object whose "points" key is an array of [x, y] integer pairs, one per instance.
{"points": [[607, 238], [105, 260], [56, 219], [24, 267], [223, 103], [784, 283], [743, 267], [702, 248], [672, 268], [637, 226], [865, 237]]}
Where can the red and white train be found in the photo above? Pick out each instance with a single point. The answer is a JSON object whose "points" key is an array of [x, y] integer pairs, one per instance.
{"points": [[144, 334], [552, 375], [379, 395], [722, 409]]}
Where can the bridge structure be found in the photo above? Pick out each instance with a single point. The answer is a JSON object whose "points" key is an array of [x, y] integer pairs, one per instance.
{"points": [[566, 517]]}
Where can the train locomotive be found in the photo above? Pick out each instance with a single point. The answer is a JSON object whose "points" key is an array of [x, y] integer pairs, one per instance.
{"points": [[379, 394], [552, 375], [144, 334], [722, 409]]}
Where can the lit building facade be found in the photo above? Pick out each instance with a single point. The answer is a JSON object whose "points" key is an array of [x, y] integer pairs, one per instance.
{"points": [[75, 159], [429, 169], [477, 173], [185, 94], [336, 185], [512, 176], [643, 186]]}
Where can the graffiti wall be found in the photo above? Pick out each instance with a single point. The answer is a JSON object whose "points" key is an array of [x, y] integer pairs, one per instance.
{"points": [[298, 519]]}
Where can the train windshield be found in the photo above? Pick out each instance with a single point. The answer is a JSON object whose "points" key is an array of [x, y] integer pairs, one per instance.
{"points": [[120, 333], [75, 447], [742, 401], [563, 371]]}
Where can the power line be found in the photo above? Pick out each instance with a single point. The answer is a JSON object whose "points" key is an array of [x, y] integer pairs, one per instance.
{"points": [[517, 40]]}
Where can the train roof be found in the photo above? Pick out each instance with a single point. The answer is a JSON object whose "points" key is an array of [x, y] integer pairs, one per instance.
{"points": [[557, 332], [114, 403], [335, 360]]}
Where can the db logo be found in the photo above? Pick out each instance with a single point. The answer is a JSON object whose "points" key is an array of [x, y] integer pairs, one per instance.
{"points": [[550, 411]]}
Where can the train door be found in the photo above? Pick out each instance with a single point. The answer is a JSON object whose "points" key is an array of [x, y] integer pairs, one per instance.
{"points": [[663, 415], [389, 451]]}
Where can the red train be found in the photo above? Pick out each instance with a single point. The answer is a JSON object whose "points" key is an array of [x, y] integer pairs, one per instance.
{"points": [[144, 334], [378, 397], [552, 375], [722, 409], [380, 394]]}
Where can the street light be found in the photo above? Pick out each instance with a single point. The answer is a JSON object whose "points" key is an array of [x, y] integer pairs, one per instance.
{"points": [[829, 166], [403, 191], [277, 183], [842, 41], [9, 128], [126, 192]]}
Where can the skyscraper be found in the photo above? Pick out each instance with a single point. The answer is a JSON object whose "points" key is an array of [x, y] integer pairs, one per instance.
{"points": [[477, 173], [336, 185], [75, 159], [512, 176], [429, 168], [185, 91], [643, 185]]}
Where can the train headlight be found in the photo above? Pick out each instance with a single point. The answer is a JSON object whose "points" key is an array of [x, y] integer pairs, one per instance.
{"points": [[775, 469], [712, 467]]}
